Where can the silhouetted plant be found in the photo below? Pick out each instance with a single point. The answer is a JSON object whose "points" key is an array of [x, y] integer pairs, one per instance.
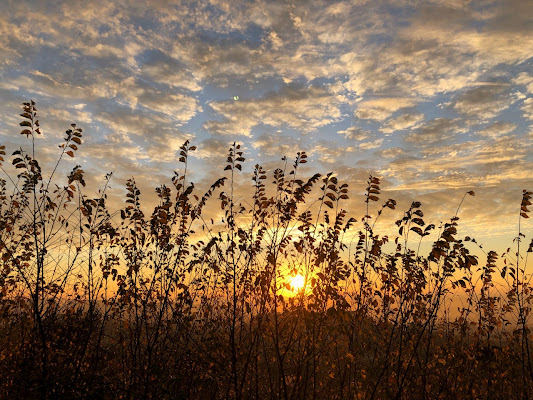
{"points": [[171, 303]]}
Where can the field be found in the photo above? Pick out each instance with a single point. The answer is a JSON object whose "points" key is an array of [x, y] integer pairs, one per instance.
{"points": [[280, 295]]}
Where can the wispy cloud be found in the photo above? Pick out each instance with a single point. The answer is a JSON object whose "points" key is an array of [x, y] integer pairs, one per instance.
{"points": [[429, 95]]}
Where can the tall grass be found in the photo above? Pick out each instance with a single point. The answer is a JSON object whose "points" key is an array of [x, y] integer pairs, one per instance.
{"points": [[103, 304]]}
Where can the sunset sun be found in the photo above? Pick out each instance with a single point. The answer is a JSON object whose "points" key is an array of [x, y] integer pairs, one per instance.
{"points": [[297, 283]]}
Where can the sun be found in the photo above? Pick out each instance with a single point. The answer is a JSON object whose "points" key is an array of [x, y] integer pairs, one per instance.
{"points": [[298, 282]]}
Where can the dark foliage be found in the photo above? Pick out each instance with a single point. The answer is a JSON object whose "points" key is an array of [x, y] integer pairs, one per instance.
{"points": [[102, 304]]}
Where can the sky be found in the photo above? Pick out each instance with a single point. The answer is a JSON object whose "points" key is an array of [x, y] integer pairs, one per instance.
{"points": [[434, 97]]}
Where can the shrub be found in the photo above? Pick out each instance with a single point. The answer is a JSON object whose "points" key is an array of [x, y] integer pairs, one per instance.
{"points": [[99, 304]]}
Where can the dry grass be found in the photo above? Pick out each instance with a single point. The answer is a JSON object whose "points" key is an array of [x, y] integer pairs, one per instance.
{"points": [[103, 304]]}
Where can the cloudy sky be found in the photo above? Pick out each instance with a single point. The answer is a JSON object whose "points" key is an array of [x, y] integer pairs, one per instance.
{"points": [[435, 97]]}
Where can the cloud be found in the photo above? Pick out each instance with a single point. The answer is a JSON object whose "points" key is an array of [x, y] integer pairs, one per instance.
{"points": [[273, 144], [304, 109], [371, 145], [356, 133], [162, 68], [527, 108], [141, 77], [402, 122], [362, 136], [178, 107], [122, 123], [503, 37], [435, 132], [381, 108], [463, 165], [330, 153], [524, 79], [497, 129], [484, 102], [163, 148], [392, 152]]}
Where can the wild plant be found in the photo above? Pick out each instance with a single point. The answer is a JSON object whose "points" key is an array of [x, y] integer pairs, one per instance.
{"points": [[195, 297]]}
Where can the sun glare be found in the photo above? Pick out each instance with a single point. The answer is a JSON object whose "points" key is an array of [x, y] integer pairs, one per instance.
{"points": [[298, 282]]}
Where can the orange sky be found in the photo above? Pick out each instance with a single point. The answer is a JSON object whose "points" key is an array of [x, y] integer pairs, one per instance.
{"points": [[436, 99]]}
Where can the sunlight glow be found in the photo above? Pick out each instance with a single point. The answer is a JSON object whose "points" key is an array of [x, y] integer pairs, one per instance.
{"points": [[298, 282]]}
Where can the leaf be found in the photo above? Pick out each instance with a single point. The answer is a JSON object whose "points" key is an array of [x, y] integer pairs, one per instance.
{"points": [[417, 230], [331, 196], [328, 203], [523, 214], [70, 153]]}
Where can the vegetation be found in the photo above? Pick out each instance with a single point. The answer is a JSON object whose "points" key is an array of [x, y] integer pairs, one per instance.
{"points": [[103, 304]]}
